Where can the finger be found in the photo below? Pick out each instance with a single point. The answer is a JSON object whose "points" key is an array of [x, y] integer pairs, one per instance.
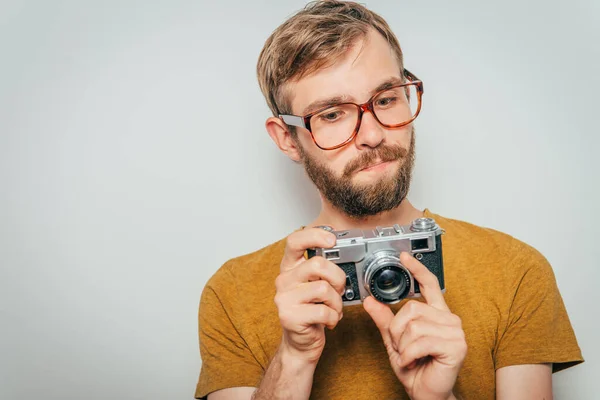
{"points": [[428, 282], [298, 318], [317, 268], [447, 352], [416, 329], [416, 310], [311, 292], [383, 316], [299, 241]]}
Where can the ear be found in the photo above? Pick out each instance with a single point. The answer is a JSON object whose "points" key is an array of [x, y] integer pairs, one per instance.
{"points": [[282, 137]]}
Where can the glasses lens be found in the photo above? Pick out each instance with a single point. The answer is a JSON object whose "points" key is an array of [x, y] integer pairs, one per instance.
{"points": [[334, 125], [396, 105]]}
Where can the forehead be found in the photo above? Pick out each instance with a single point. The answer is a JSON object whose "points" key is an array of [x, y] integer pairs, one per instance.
{"points": [[369, 62]]}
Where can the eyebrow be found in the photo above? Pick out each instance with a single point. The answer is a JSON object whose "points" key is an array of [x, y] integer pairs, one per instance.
{"points": [[331, 101]]}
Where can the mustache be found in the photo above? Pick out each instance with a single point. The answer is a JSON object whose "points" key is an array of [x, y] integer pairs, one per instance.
{"points": [[382, 154]]}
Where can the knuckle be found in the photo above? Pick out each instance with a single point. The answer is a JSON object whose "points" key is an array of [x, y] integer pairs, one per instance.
{"points": [[462, 347], [339, 305], [322, 287], [328, 314], [460, 333], [456, 320], [279, 283], [284, 317], [320, 264], [430, 280], [394, 328], [341, 277], [336, 302], [280, 301], [290, 241], [334, 317], [412, 327], [412, 307], [322, 313], [322, 268]]}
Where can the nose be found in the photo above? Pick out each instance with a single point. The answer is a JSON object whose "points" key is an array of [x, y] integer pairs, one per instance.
{"points": [[370, 132]]}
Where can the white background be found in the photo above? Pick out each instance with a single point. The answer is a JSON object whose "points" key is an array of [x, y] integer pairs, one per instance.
{"points": [[134, 162]]}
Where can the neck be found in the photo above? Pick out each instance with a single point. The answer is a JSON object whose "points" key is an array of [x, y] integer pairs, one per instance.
{"points": [[402, 215]]}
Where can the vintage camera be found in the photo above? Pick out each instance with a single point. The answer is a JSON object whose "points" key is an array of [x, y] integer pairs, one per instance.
{"points": [[371, 259]]}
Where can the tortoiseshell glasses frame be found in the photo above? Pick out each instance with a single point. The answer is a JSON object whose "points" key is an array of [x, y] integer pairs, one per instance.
{"points": [[304, 121]]}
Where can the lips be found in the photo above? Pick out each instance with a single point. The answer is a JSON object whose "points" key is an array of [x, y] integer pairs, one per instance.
{"points": [[375, 164]]}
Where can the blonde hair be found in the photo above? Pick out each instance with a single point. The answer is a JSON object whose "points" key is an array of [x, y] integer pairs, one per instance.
{"points": [[313, 38]]}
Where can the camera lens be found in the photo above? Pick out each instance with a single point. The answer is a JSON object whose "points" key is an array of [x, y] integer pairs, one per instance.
{"points": [[390, 284], [386, 279]]}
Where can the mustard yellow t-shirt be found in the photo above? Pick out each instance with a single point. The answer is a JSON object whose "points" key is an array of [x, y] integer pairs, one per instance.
{"points": [[503, 290]]}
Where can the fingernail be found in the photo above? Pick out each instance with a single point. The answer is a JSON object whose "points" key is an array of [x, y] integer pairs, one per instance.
{"points": [[341, 316], [330, 240]]}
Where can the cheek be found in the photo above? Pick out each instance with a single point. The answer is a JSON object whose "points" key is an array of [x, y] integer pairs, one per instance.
{"points": [[402, 135], [305, 144], [333, 160], [338, 159]]}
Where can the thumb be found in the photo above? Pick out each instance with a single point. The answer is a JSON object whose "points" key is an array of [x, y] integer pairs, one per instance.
{"points": [[382, 316]]}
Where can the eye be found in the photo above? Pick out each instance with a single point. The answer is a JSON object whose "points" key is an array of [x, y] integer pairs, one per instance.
{"points": [[331, 116], [385, 101]]}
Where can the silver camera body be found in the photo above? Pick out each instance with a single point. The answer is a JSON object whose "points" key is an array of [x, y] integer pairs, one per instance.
{"points": [[371, 259]]}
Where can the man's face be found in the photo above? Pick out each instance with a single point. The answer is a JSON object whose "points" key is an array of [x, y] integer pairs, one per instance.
{"points": [[371, 174]]}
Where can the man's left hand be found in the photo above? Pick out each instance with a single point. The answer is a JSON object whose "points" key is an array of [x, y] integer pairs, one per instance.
{"points": [[425, 342]]}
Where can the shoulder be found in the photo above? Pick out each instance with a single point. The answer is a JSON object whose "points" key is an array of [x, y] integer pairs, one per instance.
{"points": [[470, 234], [506, 252], [258, 266]]}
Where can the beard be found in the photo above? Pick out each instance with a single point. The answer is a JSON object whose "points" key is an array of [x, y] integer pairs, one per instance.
{"points": [[364, 200]]}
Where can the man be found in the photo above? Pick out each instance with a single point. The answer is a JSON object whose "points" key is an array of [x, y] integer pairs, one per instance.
{"points": [[272, 324]]}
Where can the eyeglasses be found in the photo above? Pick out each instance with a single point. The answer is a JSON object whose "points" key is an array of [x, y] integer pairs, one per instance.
{"points": [[335, 126]]}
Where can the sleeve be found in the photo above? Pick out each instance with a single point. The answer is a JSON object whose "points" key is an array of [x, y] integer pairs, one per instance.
{"points": [[537, 328], [227, 361]]}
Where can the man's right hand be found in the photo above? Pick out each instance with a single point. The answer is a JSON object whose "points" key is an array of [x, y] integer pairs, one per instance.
{"points": [[308, 295], [308, 299]]}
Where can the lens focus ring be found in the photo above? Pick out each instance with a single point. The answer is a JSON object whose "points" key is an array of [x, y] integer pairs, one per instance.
{"points": [[386, 279]]}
